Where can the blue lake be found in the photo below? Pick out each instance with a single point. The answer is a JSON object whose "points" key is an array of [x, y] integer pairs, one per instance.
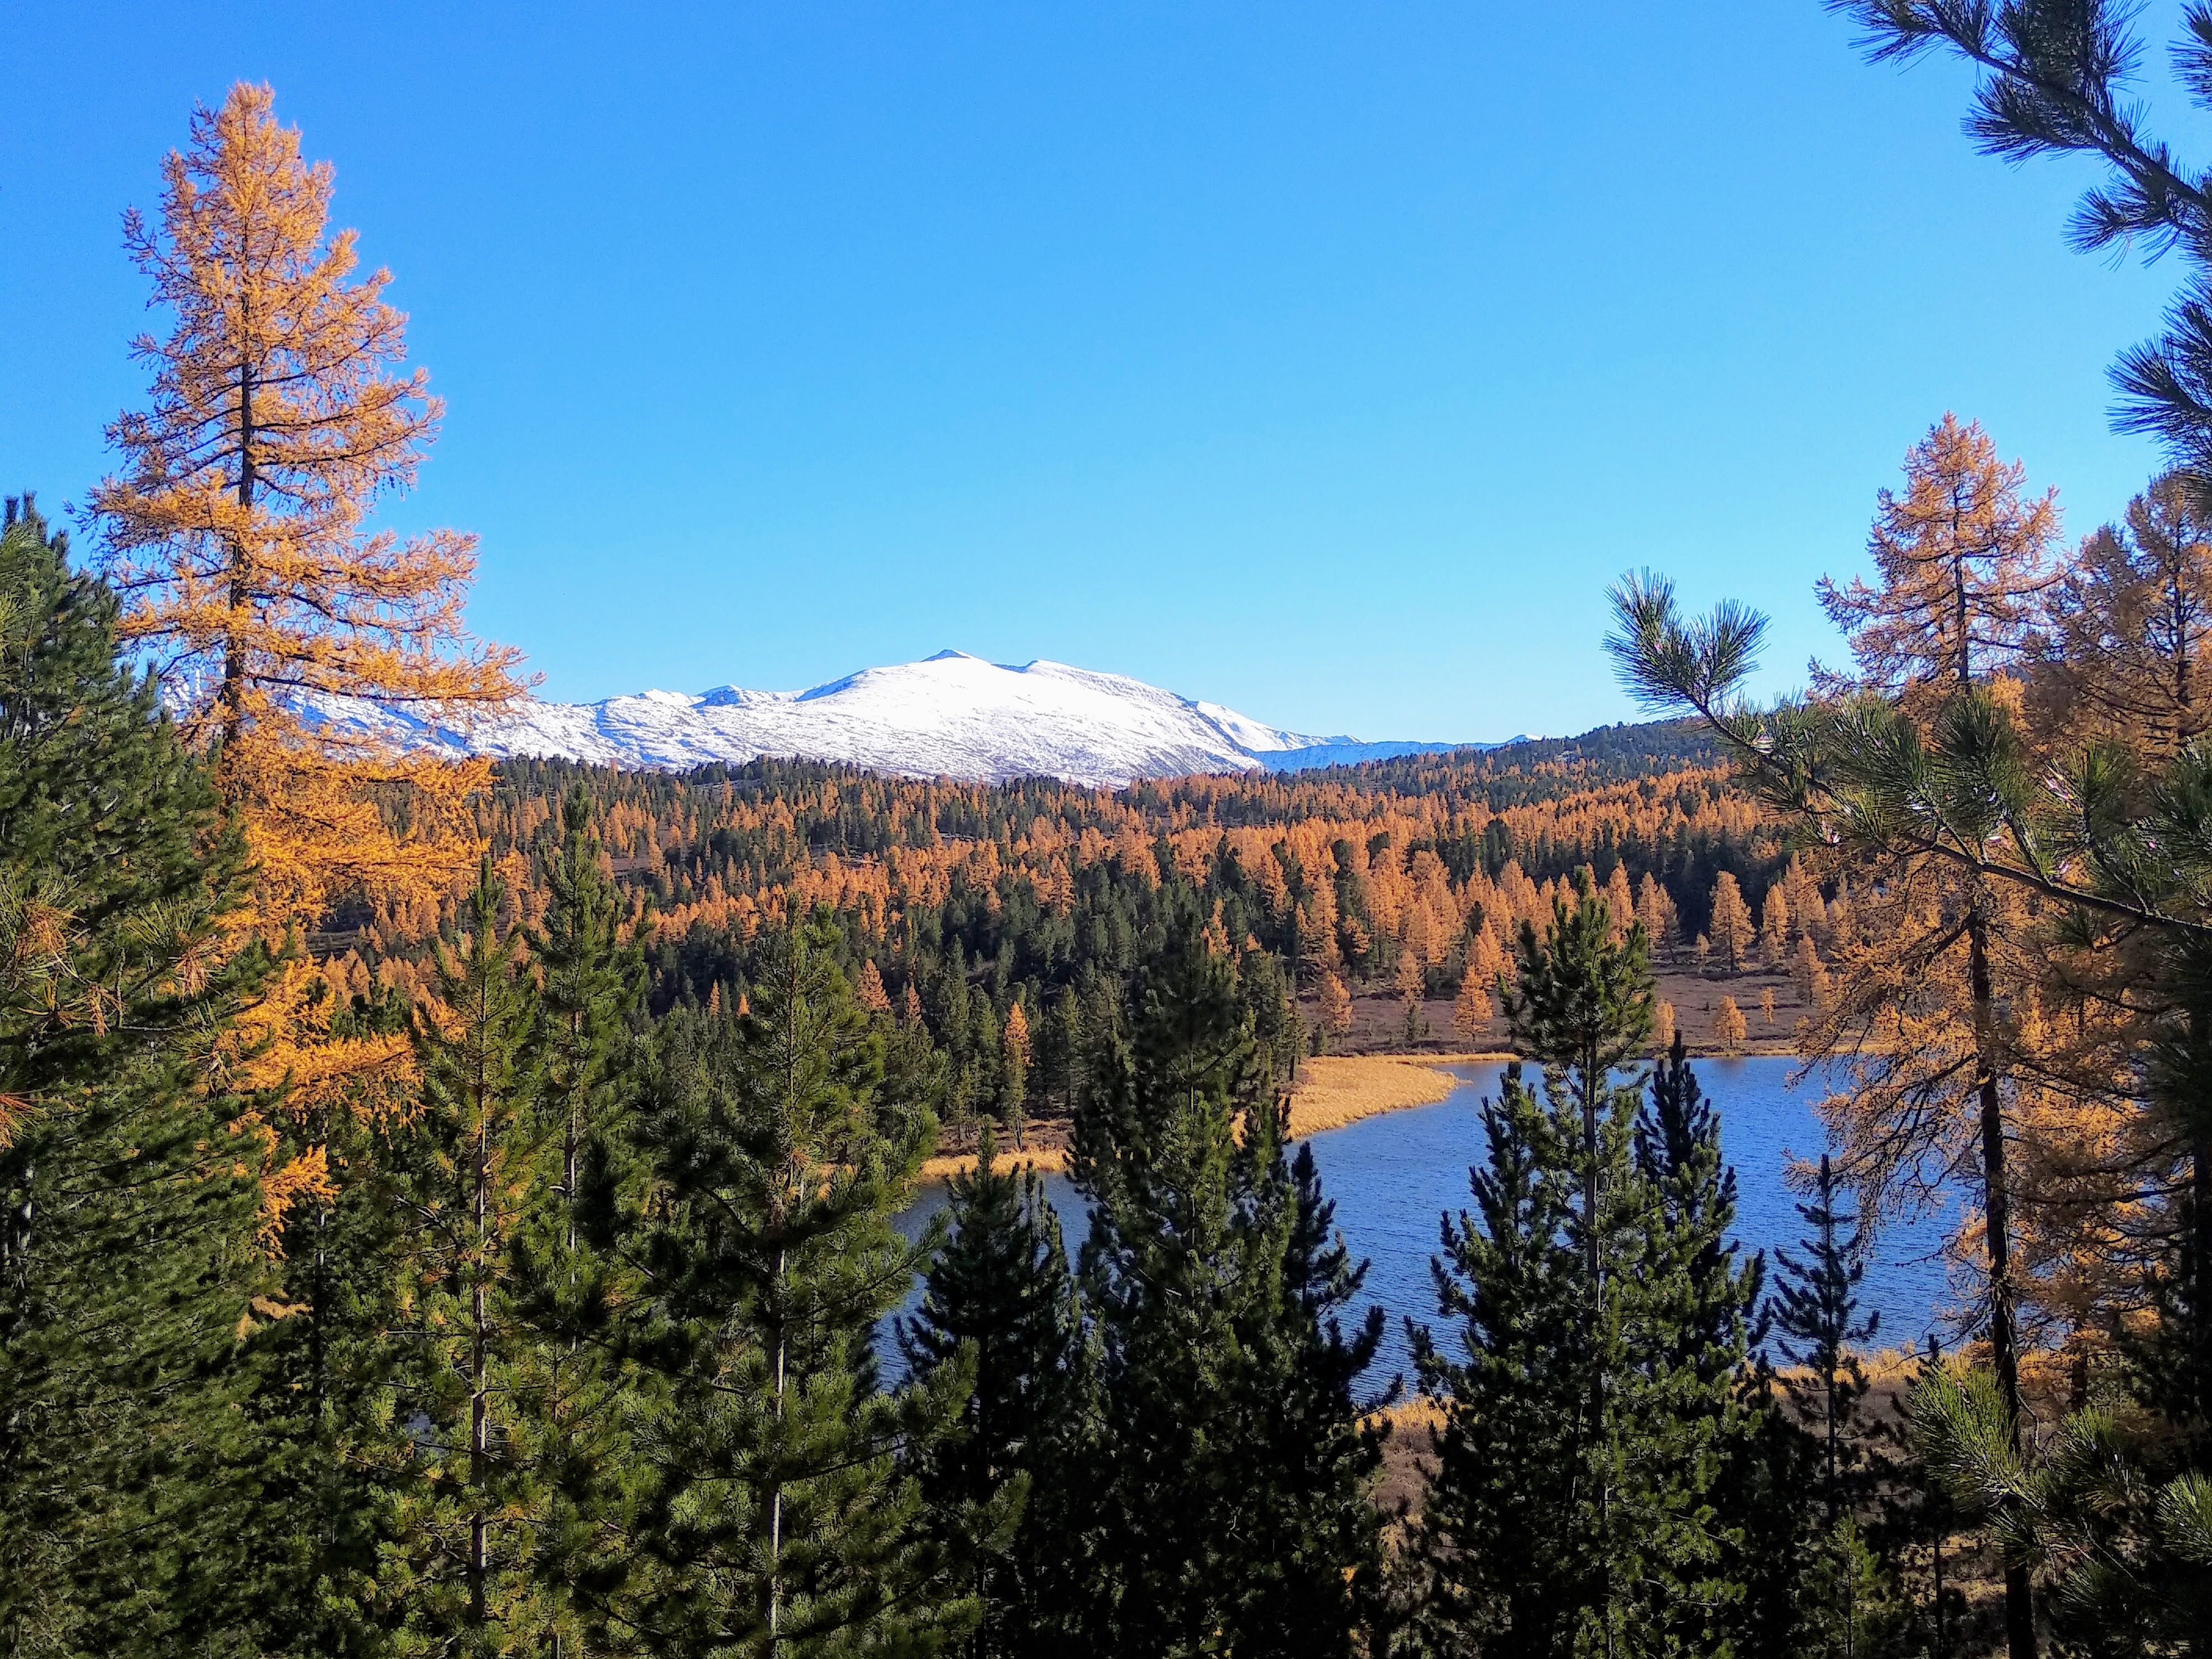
{"points": [[1392, 1176]]}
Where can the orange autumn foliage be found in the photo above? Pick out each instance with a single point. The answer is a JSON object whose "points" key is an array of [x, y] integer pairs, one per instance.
{"points": [[1426, 911], [236, 536], [1732, 931], [1962, 554], [1729, 1026], [1472, 1013], [235, 533]]}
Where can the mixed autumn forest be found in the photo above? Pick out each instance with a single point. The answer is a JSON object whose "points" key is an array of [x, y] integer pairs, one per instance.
{"points": [[453, 1208]]}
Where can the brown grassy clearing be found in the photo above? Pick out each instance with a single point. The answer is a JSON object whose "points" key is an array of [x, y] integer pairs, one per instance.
{"points": [[1334, 1090]]}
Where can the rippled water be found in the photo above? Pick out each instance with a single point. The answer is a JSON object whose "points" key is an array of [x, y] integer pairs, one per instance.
{"points": [[1392, 1176]]}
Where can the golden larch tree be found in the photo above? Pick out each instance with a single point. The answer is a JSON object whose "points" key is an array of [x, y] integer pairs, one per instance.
{"points": [[1472, 1013], [1774, 928], [1729, 1026], [1811, 974], [2128, 626], [235, 533], [1730, 931], [1620, 904], [1655, 910], [236, 530], [1962, 555], [1485, 961], [1927, 954], [1411, 980], [874, 997], [1014, 1057], [1335, 1005], [1808, 911]]}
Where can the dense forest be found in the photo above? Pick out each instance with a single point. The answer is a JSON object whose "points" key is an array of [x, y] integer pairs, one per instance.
{"points": [[968, 907], [1387, 876], [457, 1209], [564, 1335]]}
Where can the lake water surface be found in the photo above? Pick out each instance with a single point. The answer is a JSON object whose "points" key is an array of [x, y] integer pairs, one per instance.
{"points": [[1392, 1176]]}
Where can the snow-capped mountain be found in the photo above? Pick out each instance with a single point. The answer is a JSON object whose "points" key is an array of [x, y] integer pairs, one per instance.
{"points": [[952, 715]]}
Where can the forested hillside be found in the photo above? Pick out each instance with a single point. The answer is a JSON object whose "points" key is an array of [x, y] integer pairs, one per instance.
{"points": [[458, 1211], [1403, 880]]}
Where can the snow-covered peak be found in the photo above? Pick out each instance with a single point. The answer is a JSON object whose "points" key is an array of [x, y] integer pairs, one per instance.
{"points": [[950, 715]]}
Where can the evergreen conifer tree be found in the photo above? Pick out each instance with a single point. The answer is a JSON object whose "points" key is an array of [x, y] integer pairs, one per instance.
{"points": [[1314, 1540], [1000, 1296], [1497, 1567], [1573, 1508], [460, 1571], [580, 1387], [1678, 1153], [128, 1276], [1699, 1301], [1768, 1491], [1816, 1309], [781, 1521], [1227, 1471]]}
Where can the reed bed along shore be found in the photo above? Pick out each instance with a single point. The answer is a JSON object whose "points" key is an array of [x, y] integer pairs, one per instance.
{"points": [[1334, 1090], [1047, 1160]]}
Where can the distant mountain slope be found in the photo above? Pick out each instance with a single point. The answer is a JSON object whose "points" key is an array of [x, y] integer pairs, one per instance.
{"points": [[952, 715]]}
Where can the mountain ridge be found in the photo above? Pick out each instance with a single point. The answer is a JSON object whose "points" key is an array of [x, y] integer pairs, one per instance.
{"points": [[952, 715]]}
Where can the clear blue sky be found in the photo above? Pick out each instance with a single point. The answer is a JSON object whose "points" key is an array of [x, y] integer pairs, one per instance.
{"points": [[1324, 361]]}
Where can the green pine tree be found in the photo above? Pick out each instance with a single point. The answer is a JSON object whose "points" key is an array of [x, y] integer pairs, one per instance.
{"points": [[128, 1278], [569, 1273], [1581, 1007], [781, 1522], [1816, 1311], [1769, 1491], [1274, 1020], [579, 1386], [459, 1572], [1694, 1305], [1059, 1050], [2172, 1360], [330, 1456], [2086, 1511], [1497, 1562], [1313, 1541], [1573, 1509], [999, 1297], [1224, 1480]]}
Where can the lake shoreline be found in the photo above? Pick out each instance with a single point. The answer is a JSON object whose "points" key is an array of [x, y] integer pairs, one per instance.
{"points": [[1393, 1174], [1332, 1092]]}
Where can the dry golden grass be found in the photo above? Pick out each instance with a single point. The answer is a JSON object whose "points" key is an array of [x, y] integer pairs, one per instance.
{"points": [[1051, 1160], [1334, 1090]]}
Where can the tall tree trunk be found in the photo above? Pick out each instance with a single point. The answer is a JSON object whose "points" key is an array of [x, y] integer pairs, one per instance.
{"points": [[2199, 1245], [776, 1488], [570, 1138], [240, 594], [479, 1415], [1997, 1209], [1594, 1265]]}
